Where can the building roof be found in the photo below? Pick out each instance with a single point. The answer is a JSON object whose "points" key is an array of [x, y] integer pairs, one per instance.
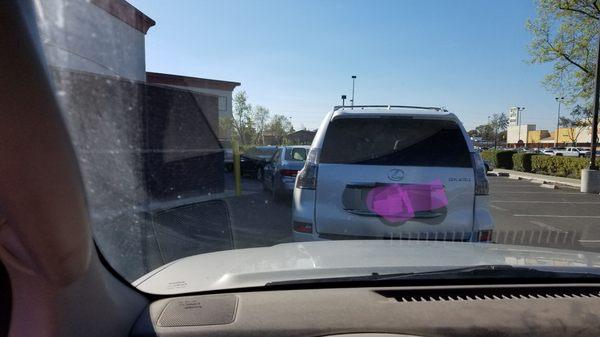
{"points": [[187, 81], [125, 12]]}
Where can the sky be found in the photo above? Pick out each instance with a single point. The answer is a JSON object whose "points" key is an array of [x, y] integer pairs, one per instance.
{"points": [[297, 57]]}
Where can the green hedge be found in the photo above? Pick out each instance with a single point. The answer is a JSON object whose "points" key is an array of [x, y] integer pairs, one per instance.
{"points": [[558, 166], [500, 159], [489, 155], [522, 162]]}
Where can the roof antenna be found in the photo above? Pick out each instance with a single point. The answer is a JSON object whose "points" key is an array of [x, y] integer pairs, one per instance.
{"points": [[389, 107]]}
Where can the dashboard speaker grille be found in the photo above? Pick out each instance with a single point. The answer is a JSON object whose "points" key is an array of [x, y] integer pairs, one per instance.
{"points": [[480, 294], [199, 310]]}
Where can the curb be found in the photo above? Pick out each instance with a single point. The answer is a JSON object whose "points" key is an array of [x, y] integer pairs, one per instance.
{"points": [[538, 180]]}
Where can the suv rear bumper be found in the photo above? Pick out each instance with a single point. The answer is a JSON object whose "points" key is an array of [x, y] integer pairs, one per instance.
{"points": [[304, 237], [303, 212]]}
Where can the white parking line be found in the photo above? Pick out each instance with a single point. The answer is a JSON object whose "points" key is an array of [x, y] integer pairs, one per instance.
{"points": [[589, 241], [498, 208], [559, 216], [546, 226], [545, 192], [548, 202]]}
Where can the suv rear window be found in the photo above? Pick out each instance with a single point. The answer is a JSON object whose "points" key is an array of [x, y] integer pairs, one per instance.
{"points": [[296, 153], [395, 141], [262, 151]]}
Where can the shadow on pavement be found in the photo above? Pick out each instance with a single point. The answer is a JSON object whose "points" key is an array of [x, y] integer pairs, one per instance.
{"points": [[192, 229]]}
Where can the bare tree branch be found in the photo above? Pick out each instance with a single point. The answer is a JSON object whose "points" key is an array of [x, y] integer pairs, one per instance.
{"points": [[579, 11], [595, 4], [566, 57]]}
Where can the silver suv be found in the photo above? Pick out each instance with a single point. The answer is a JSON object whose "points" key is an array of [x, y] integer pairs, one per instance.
{"points": [[392, 172]]}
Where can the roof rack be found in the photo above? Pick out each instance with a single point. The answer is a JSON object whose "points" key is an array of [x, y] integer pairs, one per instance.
{"points": [[337, 107]]}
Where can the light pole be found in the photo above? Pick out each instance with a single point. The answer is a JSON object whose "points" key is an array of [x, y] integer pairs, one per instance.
{"points": [[594, 142], [343, 100], [352, 100], [519, 110], [559, 100], [495, 125], [590, 178]]}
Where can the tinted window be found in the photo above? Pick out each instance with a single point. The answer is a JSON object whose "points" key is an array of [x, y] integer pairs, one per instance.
{"points": [[297, 154], [395, 141], [262, 151]]}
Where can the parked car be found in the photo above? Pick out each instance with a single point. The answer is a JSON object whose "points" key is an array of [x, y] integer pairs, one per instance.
{"points": [[227, 154], [280, 173], [572, 152], [228, 159], [253, 160], [549, 152], [397, 172], [489, 166]]}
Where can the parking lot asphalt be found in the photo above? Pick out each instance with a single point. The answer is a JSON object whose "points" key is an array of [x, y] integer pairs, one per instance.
{"points": [[524, 213], [563, 218]]}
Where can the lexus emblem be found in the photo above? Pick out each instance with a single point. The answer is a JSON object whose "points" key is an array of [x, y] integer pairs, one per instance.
{"points": [[396, 174]]}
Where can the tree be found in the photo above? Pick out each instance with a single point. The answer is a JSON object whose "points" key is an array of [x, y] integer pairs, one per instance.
{"points": [[260, 117], [486, 132], [242, 124], [225, 127], [498, 123], [249, 124], [578, 120], [279, 127], [565, 33]]}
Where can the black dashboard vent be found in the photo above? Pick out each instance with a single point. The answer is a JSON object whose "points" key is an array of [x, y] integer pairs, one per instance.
{"points": [[480, 294]]}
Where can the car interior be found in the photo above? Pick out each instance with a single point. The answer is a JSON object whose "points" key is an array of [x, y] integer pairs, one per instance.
{"points": [[54, 280]]}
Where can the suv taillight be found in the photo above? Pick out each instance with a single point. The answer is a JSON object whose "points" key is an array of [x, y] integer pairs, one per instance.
{"points": [[481, 182], [289, 173], [307, 177], [302, 227], [485, 236]]}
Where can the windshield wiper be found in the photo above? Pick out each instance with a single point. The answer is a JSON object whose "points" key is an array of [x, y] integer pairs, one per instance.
{"points": [[463, 273]]}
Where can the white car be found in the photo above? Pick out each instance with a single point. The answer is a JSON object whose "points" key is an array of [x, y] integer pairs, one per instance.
{"points": [[392, 172], [572, 152], [549, 152]]}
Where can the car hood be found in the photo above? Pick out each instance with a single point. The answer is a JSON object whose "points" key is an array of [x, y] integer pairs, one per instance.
{"points": [[255, 267]]}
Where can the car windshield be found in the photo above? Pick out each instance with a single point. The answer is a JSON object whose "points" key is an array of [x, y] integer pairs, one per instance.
{"points": [[233, 144]]}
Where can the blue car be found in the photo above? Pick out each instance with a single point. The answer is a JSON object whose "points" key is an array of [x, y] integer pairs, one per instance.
{"points": [[280, 172]]}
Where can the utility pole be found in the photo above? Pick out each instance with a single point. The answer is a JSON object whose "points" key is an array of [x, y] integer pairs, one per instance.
{"points": [[559, 100], [352, 100], [594, 142], [590, 178], [495, 124], [519, 110]]}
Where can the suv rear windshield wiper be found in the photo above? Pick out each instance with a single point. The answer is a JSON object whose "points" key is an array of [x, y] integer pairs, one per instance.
{"points": [[463, 273]]}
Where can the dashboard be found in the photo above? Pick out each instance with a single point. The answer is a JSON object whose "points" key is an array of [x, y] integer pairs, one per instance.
{"points": [[491, 310]]}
